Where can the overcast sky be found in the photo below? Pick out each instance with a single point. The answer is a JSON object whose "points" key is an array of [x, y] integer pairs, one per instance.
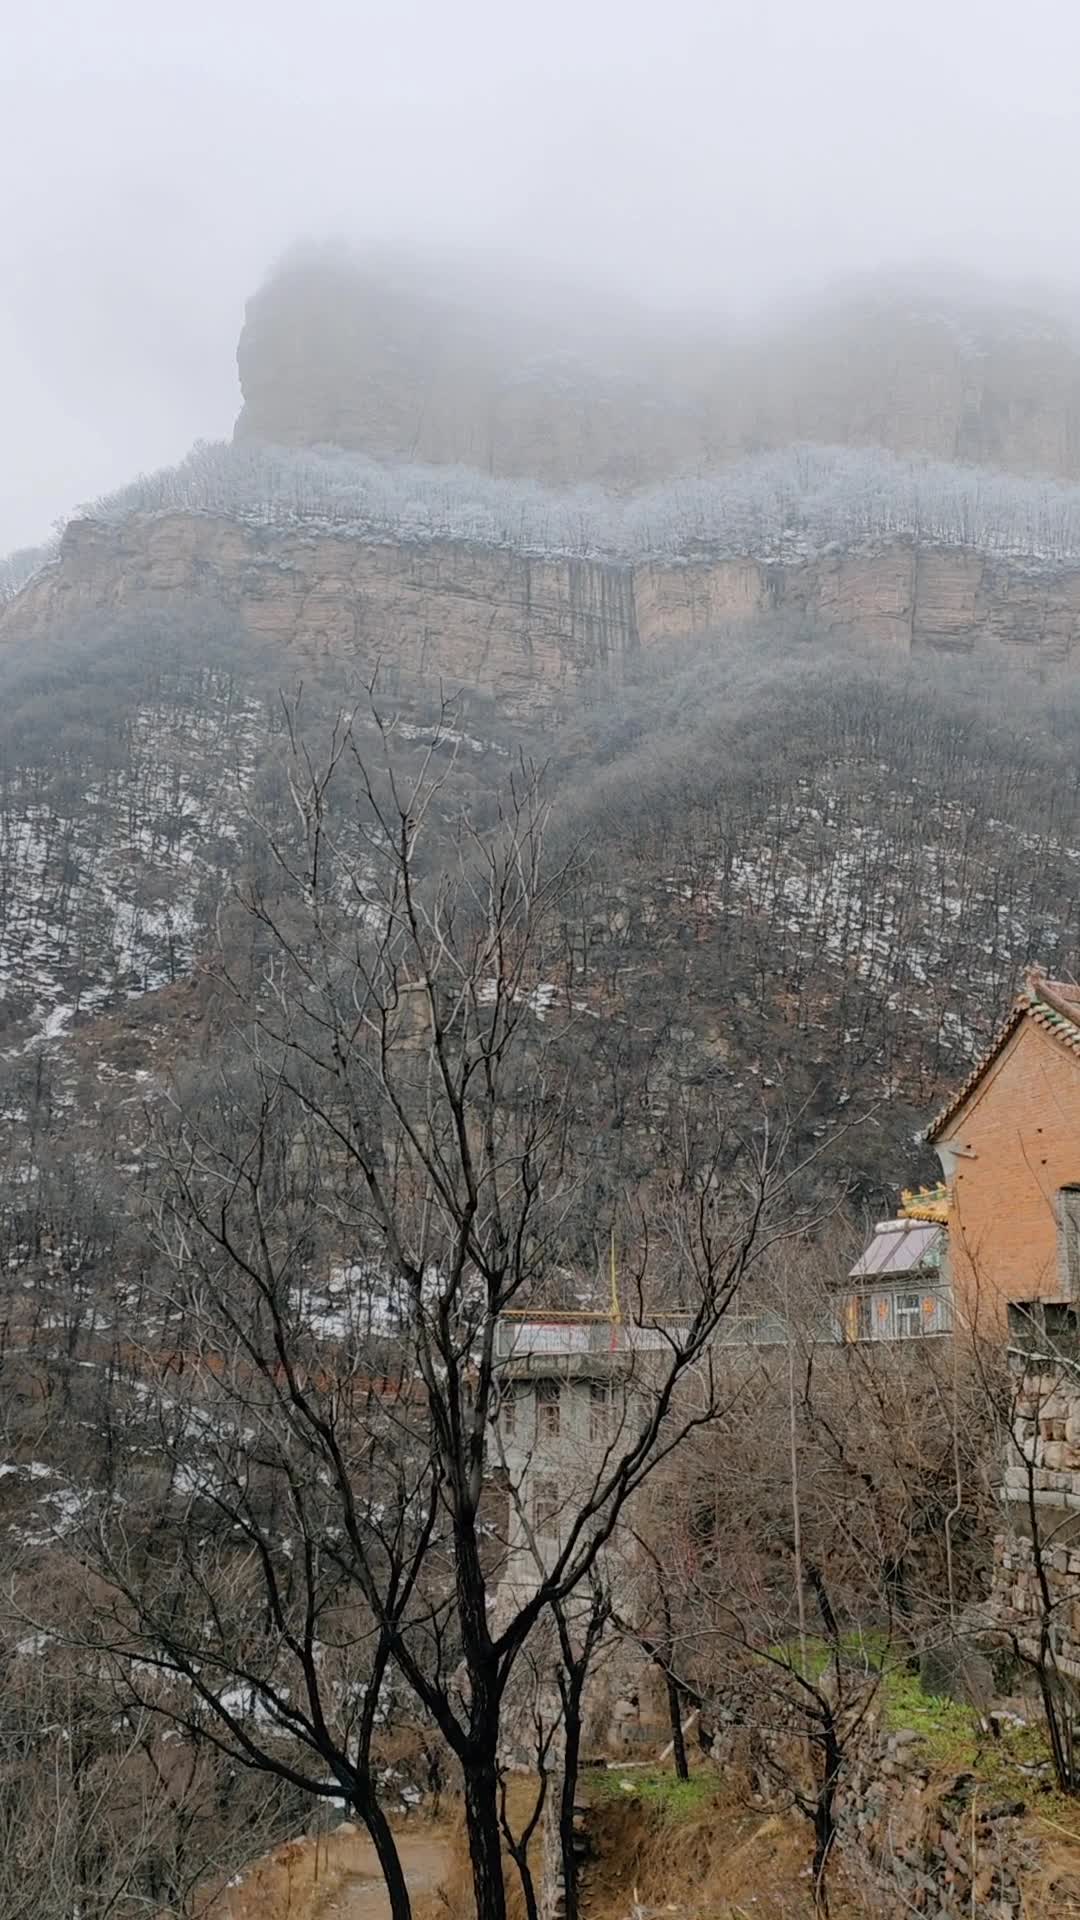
{"points": [[155, 159]]}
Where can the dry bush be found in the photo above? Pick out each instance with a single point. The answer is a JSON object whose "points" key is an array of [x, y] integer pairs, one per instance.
{"points": [[298, 1880], [724, 1861]]}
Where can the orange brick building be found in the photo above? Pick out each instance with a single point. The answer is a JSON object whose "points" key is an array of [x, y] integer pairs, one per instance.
{"points": [[1009, 1146]]}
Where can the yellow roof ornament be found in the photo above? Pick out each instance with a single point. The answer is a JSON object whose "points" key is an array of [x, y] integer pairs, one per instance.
{"points": [[926, 1203]]}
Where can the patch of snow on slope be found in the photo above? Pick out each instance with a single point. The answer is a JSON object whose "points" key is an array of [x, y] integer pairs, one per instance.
{"points": [[871, 884], [100, 887]]}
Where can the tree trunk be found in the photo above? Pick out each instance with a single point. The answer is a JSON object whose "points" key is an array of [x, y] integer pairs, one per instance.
{"points": [[825, 1812], [1059, 1747], [520, 1857], [382, 1839], [568, 1795], [517, 1845], [485, 1840], [678, 1738]]}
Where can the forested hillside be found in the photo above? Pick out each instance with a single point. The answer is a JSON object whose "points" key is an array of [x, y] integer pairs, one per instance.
{"points": [[127, 749], [771, 878], [818, 875], [415, 883], [794, 869]]}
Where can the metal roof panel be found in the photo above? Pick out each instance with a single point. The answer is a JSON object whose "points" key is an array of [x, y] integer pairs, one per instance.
{"points": [[901, 1246]]}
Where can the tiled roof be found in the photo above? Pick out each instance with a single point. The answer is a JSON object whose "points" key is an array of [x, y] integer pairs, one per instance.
{"points": [[1053, 1005]]}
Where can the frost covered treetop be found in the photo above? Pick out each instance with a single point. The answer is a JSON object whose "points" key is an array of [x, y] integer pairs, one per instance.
{"points": [[769, 506]]}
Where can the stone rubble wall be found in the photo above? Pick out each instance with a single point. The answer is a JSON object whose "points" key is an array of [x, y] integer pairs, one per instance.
{"points": [[1046, 1433], [1017, 1604], [1042, 1498], [551, 1892], [945, 1849], [910, 1839]]}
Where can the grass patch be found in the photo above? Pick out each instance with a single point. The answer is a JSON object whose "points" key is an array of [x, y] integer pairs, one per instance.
{"points": [[1011, 1765], [869, 1651], [948, 1728], [657, 1788]]}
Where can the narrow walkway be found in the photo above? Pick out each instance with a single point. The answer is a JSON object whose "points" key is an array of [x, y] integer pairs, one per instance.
{"points": [[362, 1896]]}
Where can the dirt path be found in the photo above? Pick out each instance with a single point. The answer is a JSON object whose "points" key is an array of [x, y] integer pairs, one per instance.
{"points": [[362, 1895]]}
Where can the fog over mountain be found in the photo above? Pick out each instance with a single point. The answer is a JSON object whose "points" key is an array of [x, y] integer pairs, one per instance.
{"points": [[701, 156]]}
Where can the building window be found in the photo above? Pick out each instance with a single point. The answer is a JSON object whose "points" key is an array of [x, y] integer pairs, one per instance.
{"points": [[546, 1507], [599, 1410], [858, 1317], [508, 1410], [936, 1312], [548, 1408], [908, 1316], [1069, 1241]]}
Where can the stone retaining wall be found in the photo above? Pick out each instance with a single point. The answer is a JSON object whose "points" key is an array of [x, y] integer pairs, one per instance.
{"points": [[1041, 1514], [919, 1844]]}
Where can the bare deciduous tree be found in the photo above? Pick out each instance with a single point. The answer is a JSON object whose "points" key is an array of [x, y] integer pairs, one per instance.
{"points": [[404, 1111]]}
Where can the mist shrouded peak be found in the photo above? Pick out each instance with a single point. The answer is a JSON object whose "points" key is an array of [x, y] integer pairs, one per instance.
{"points": [[455, 365]]}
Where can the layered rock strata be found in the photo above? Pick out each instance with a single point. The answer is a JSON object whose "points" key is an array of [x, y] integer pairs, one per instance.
{"points": [[527, 630]]}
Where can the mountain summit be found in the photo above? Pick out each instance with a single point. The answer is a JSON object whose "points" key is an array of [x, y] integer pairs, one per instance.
{"points": [[565, 388]]}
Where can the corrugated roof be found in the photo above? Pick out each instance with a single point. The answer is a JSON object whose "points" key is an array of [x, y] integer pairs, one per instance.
{"points": [[899, 1246], [1053, 1005]]}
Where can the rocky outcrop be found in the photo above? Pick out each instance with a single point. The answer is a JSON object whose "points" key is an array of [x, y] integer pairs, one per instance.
{"points": [[520, 629], [407, 367], [334, 353], [528, 630]]}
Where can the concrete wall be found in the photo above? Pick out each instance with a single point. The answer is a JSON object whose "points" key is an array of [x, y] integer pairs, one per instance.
{"points": [[560, 1470]]}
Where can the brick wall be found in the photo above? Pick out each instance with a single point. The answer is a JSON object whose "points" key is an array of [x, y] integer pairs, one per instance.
{"points": [[1006, 1156]]}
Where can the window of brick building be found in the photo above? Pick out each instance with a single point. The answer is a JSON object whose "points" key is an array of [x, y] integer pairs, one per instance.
{"points": [[1069, 1241], [508, 1407], [908, 1316], [548, 1408], [546, 1507]]}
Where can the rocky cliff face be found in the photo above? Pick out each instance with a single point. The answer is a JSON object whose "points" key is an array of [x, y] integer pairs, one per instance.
{"points": [[524, 630], [348, 355]]}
